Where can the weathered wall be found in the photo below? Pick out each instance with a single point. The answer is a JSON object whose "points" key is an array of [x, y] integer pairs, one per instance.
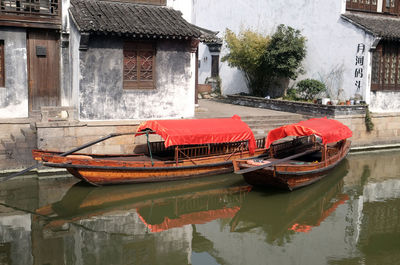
{"points": [[65, 58], [64, 136], [102, 96], [14, 96], [331, 41], [65, 16], [305, 108], [385, 101], [72, 95], [386, 129]]}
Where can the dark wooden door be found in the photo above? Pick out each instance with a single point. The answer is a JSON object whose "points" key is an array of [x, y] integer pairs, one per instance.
{"points": [[43, 69], [214, 65]]}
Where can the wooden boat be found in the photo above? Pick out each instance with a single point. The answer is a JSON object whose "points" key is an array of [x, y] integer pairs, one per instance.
{"points": [[320, 145], [191, 148]]}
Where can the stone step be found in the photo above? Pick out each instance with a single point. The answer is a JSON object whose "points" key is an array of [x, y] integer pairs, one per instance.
{"points": [[270, 124], [273, 117]]}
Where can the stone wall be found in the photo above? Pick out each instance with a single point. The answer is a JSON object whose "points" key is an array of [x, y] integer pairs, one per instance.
{"points": [[386, 125], [64, 136], [386, 129], [16, 142], [305, 108]]}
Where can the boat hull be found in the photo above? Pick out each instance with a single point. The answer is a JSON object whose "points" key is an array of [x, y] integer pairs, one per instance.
{"points": [[108, 176], [106, 171]]}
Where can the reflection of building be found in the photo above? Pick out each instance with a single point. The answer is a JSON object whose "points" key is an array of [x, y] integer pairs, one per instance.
{"points": [[380, 227], [15, 239], [117, 237], [15, 225], [19, 199], [142, 224]]}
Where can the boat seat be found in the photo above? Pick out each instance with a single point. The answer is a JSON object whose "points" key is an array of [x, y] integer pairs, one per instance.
{"points": [[80, 156], [257, 162]]}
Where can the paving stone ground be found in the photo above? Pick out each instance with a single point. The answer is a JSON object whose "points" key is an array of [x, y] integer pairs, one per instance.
{"points": [[208, 108]]}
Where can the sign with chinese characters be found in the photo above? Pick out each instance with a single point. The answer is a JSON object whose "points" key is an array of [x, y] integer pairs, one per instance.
{"points": [[359, 66]]}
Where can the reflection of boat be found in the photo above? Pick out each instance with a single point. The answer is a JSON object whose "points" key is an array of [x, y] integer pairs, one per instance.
{"points": [[190, 148], [281, 214], [160, 206], [300, 162]]}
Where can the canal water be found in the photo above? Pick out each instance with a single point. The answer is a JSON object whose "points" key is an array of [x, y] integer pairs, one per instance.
{"points": [[350, 217]]}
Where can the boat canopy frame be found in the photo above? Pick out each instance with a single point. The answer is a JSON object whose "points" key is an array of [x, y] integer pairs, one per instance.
{"points": [[184, 134]]}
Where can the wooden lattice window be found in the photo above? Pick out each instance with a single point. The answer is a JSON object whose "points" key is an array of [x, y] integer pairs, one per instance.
{"points": [[362, 5], [386, 67], [31, 7], [391, 7], [2, 70], [139, 65]]}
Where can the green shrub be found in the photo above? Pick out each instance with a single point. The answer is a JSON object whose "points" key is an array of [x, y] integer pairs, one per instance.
{"points": [[309, 89], [265, 59], [291, 94], [368, 121], [246, 53], [285, 52]]}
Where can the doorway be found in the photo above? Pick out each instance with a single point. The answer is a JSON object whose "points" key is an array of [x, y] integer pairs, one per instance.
{"points": [[43, 69]]}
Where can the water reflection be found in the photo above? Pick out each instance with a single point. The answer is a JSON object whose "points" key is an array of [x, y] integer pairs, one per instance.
{"points": [[350, 217], [159, 206], [139, 219], [280, 215]]}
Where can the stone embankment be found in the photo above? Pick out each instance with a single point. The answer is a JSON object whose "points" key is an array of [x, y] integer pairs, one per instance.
{"points": [[386, 132], [19, 137]]}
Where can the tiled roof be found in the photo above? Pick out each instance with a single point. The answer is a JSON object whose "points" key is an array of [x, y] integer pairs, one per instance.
{"points": [[208, 36], [378, 25], [134, 20]]}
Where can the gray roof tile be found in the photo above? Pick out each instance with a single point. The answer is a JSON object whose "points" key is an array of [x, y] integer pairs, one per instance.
{"points": [[386, 27], [132, 20]]}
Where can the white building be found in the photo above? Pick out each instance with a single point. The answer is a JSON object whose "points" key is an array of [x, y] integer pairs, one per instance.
{"points": [[352, 46], [105, 60]]}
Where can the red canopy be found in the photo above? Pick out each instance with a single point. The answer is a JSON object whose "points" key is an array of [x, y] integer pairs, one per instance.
{"points": [[329, 130], [201, 131], [191, 218]]}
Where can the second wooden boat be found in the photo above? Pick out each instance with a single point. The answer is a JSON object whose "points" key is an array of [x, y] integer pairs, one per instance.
{"points": [[320, 145]]}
